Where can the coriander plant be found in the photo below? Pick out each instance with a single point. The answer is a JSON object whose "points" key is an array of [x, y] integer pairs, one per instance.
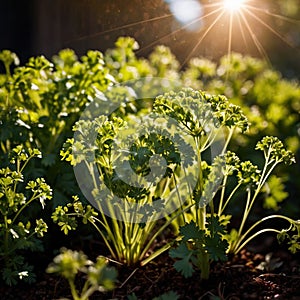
{"points": [[18, 231], [40, 102], [208, 123], [128, 241], [194, 111], [204, 237], [252, 180]]}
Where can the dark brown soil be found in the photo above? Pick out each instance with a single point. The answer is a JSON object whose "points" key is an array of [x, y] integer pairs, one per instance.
{"points": [[249, 275]]}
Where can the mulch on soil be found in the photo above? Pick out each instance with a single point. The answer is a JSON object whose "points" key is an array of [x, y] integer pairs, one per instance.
{"points": [[248, 275]]}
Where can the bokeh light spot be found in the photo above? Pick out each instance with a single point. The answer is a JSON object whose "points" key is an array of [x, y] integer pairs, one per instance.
{"points": [[187, 12]]}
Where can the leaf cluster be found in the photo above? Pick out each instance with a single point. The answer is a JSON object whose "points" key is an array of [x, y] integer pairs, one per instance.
{"points": [[292, 240], [66, 216], [18, 230], [196, 244], [40, 102]]}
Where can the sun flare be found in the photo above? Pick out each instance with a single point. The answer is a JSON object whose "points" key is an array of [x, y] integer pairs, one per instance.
{"points": [[233, 5]]}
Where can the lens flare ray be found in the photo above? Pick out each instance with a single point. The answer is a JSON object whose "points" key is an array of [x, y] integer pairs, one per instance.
{"points": [[270, 28], [202, 38], [103, 32], [242, 30], [280, 17], [256, 42], [240, 14], [232, 23], [183, 27]]}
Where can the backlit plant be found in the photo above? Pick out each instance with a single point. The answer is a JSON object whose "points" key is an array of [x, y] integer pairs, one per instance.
{"points": [[203, 237], [270, 102], [127, 241], [251, 180], [39, 103], [19, 231], [41, 100]]}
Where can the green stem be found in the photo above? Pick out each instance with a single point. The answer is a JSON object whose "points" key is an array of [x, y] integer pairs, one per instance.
{"points": [[264, 176], [201, 211], [162, 228], [246, 212], [237, 247], [84, 289], [220, 210], [253, 236], [34, 196], [7, 69], [73, 290], [203, 258], [20, 170], [88, 293], [229, 197], [202, 217], [156, 253], [179, 196], [3, 148], [105, 222], [231, 131], [105, 240], [6, 235], [209, 141]]}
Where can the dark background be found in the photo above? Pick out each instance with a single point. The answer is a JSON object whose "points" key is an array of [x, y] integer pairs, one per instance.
{"points": [[36, 27]]}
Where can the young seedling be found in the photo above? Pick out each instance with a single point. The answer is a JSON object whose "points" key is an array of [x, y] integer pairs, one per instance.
{"points": [[98, 276]]}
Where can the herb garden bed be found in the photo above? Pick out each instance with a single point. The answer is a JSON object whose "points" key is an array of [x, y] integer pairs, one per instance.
{"points": [[244, 276], [164, 183]]}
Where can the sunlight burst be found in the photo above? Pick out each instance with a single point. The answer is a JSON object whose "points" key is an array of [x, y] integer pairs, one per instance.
{"points": [[238, 25], [233, 5]]}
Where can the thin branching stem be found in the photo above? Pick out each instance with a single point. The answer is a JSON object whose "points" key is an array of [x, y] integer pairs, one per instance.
{"points": [[242, 237]]}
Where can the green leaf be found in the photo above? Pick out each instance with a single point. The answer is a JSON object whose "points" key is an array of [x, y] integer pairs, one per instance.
{"points": [[180, 252], [9, 276], [274, 149], [132, 297], [214, 226], [282, 235], [191, 231], [184, 266], [49, 160], [216, 247], [294, 246]]}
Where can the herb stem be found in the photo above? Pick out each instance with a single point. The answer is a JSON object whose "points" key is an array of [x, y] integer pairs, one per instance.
{"points": [[238, 248], [34, 196], [73, 290]]}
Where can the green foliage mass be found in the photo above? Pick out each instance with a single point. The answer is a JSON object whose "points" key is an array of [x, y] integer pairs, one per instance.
{"points": [[39, 104], [41, 100], [19, 230], [40, 107]]}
